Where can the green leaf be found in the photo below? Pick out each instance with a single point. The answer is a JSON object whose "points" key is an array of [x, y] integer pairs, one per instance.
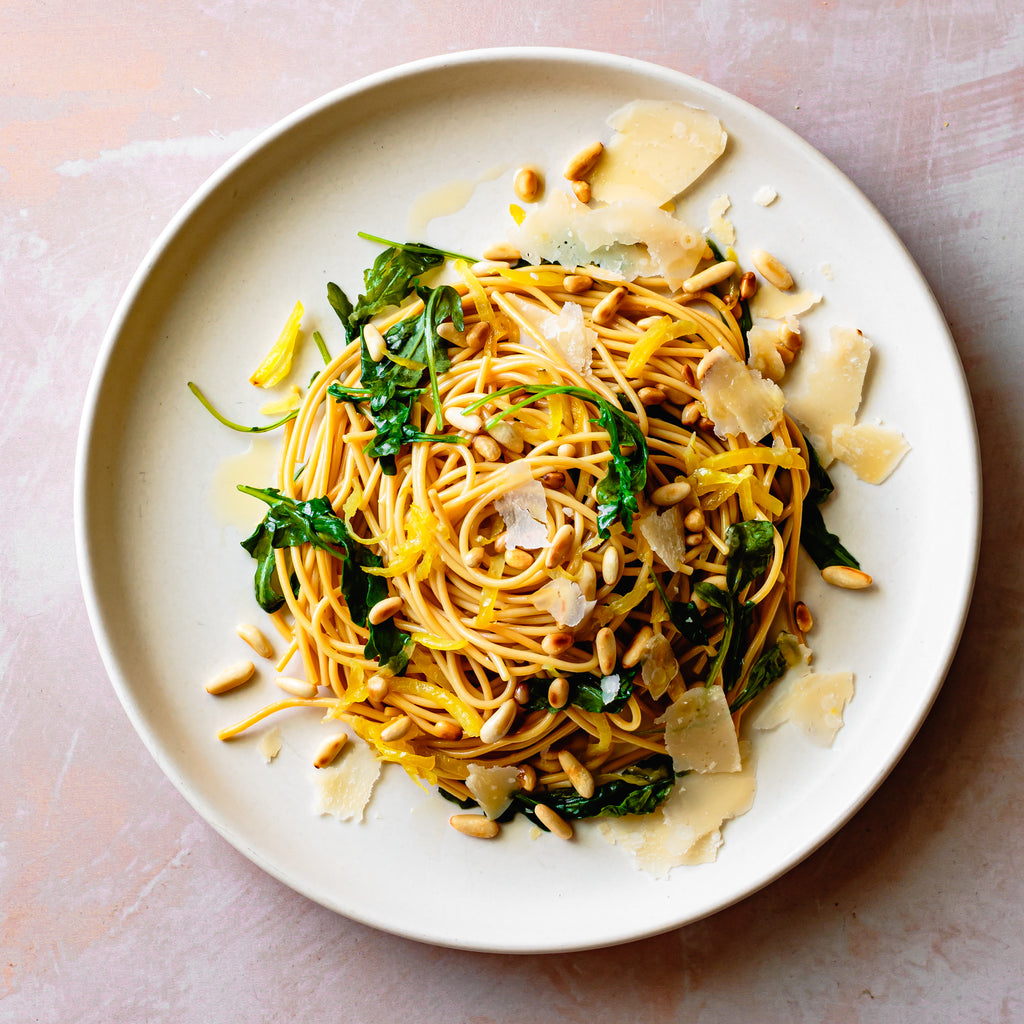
{"points": [[685, 616], [587, 691], [824, 547], [768, 667], [389, 280], [750, 547]]}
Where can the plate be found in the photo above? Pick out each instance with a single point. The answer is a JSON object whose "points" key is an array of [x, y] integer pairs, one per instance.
{"points": [[429, 149]]}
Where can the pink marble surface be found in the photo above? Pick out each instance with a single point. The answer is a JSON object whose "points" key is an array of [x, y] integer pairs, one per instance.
{"points": [[116, 902]]}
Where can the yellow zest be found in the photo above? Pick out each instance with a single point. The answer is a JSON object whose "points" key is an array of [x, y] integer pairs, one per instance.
{"points": [[476, 292], [785, 458], [627, 602], [278, 361], [466, 716], [401, 753], [355, 692], [489, 596], [283, 405], [421, 545], [533, 278], [438, 643], [604, 733], [352, 502], [713, 487], [556, 414], [517, 213], [665, 330]]}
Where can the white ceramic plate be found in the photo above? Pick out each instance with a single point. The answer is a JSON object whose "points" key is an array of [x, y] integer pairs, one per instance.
{"points": [[166, 583]]}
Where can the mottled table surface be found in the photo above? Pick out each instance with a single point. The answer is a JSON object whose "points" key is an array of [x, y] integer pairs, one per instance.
{"points": [[116, 902]]}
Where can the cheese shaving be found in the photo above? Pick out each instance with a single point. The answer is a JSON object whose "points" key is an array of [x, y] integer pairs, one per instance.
{"points": [[524, 510], [812, 701], [869, 449], [492, 787], [699, 734], [565, 333], [563, 599], [738, 399], [343, 789], [666, 534]]}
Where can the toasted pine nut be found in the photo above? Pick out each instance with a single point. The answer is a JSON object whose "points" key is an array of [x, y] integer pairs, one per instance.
{"points": [[518, 559], [714, 274], [689, 376], [581, 190], [229, 678], [694, 540], [397, 729], [499, 723], [846, 576], [789, 338], [604, 312], [587, 580], [478, 335], [377, 686], [555, 479], [604, 647], [577, 284], [802, 617], [449, 332], [694, 520], [567, 450], [461, 421], [500, 542], [553, 821], [329, 750], [447, 731], [475, 825], [671, 494], [502, 251], [384, 610], [558, 692], [376, 346], [561, 545], [297, 687], [474, 557], [487, 268], [771, 269], [527, 184], [579, 777], [557, 643], [690, 414], [254, 637], [748, 285], [521, 694], [584, 161], [527, 777], [648, 321], [785, 354], [486, 447], [611, 565], [634, 652], [706, 423], [651, 396]]}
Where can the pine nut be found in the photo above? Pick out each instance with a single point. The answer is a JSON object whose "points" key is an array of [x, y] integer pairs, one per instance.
{"points": [[487, 268], [579, 777], [557, 643], [611, 565], [397, 729], [635, 651], [604, 312], [504, 252], [527, 777], [581, 190], [802, 617], [501, 542], [450, 333], [604, 647], [748, 286], [517, 559], [329, 750], [561, 546], [584, 161], [377, 686], [648, 321], [521, 694], [553, 821], [376, 346], [789, 341], [694, 520], [478, 335], [297, 687], [558, 692], [474, 557], [448, 731], [671, 494], [460, 421], [706, 423], [651, 396], [587, 580], [714, 274], [577, 284], [690, 414], [567, 450], [486, 447], [555, 480], [384, 610], [253, 636], [771, 269], [689, 376], [846, 576], [527, 184], [498, 725], [475, 825], [694, 540], [229, 678]]}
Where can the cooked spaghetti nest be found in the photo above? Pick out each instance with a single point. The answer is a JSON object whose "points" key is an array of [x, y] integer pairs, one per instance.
{"points": [[470, 603]]}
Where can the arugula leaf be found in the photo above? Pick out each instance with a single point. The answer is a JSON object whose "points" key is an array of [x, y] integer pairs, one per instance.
{"points": [[685, 616], [390, 279], [768, 667], [289, 523], [586, 692], [751, 545], [824, 547]]}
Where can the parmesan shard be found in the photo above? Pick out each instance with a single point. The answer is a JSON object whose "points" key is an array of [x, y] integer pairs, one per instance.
{"points": [[659, 666], [630, 237], [523, 508], [699, 733], [492, 787], [824, 387], [343, 789], [721, 227], [812, 701], [566, 333], [270, 744], [869, 449], [666, 534], [764, 353], [659, 149], [738, 399], [769, 303], [765, 195], [564, 601]]}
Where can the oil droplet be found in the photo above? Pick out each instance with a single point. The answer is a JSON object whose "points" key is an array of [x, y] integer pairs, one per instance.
{"points": [[258, 467]]}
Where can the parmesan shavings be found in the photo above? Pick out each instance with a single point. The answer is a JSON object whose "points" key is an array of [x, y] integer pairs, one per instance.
{"points": [[492, 787], [765, 195], [343, 789], [565, 333], [764, 354], [563, 599], [699, 734], [812, 701], [769, 303], [658, 666], [869, 449], [666, 535], [524, 509], [270, 744], [738, 399], [720, 225]]}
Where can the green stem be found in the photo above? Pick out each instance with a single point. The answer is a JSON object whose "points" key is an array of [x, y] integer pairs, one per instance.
{"points": [[411, 247], [238, 426]]}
